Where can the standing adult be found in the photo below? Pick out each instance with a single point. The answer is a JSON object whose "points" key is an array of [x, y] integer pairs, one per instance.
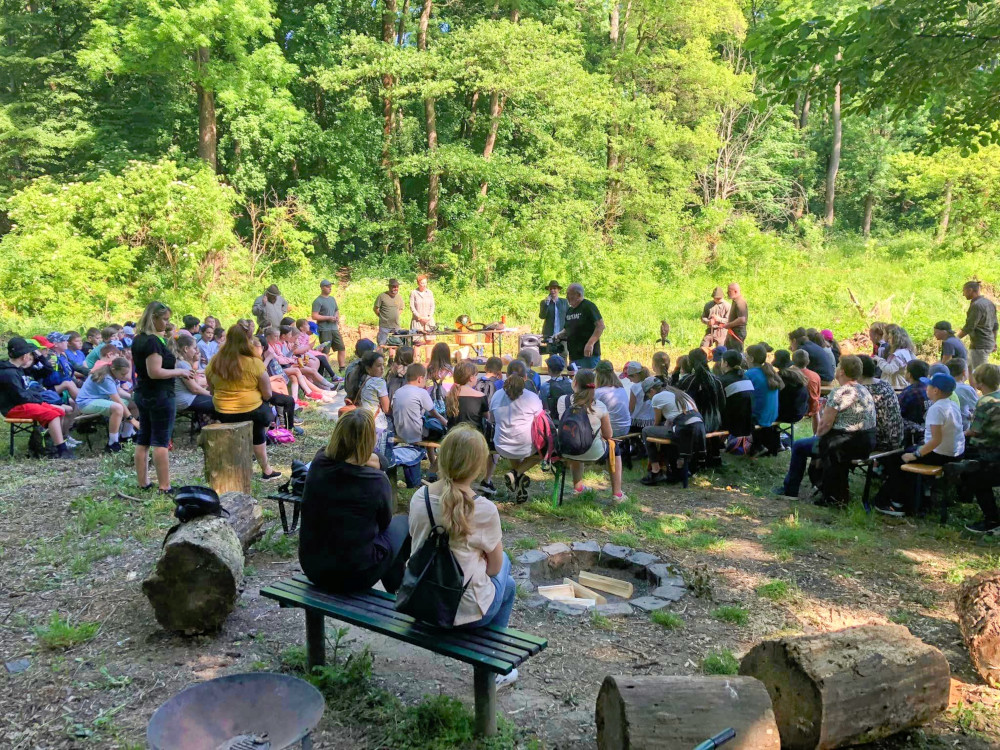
{"points": [[980, 326], [388, 307], [422, 310], [736, 323], [553, 311], [584, 326], [951, 346], [715, 315], [269, 308], [326, 313], [155, 370]]}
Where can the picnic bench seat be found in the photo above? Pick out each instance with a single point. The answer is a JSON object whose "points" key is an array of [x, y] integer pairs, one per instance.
{"points": [[17, 427], [490, 650], [868, 464], [923, 473], [25, 426]]}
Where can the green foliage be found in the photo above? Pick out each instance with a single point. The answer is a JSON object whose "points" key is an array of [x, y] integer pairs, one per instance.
{"points": [[277, 543], [720, 662], [60, 633], [777, 591], [733, 614], [667, 620]]}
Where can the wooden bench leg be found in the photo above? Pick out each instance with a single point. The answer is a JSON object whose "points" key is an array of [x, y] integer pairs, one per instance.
{"points": [[866, 495], [296, 509], [12, 441], [315, 640], [485, 683]]}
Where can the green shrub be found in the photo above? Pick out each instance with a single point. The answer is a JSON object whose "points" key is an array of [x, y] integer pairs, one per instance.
{"points": [[776, 591], [732, 614], [666, 619], [61, 634], [720, 662]]}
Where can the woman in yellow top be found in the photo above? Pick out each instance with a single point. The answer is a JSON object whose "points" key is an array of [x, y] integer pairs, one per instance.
{"points": [[240, 388]]}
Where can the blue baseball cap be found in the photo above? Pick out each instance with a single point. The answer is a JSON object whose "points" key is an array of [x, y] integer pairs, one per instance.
{"points": [[556, 362], [364, 345], [938, 368], [718, 352], [942, 381]]}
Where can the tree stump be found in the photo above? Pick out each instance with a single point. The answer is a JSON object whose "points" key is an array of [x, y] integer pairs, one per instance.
{"points": [[851, 686], [228, 450], [678, 713], [196, 581], [245, 516], [978, 607]]}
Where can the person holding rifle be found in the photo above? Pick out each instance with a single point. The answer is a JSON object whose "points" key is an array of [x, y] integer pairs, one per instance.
{"points": [[715, 315]]}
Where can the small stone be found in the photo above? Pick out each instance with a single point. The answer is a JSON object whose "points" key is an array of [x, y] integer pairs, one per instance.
{"points": [[17, 666], [615, 609], [536, 561], [560, 562], [586, 554], [525, 585], [614, 556], [642, 559], [670, 593], [520, 572], [534, 602], [649, 603], [661, 574], [557, 548], [574, 610]]}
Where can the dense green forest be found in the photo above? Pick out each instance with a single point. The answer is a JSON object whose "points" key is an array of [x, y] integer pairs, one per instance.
{"points": [[198, 150]]}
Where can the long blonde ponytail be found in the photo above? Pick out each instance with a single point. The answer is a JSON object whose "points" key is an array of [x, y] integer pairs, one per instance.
{"points": [[462, 456]]}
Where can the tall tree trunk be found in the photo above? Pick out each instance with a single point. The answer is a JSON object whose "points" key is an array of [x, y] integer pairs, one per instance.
{"points": [[804, 112], [393, 198], [402, 22], [945, 212], [799, 202], [430, 117], [515, 11], [866, 225], [470, 122], [834, 165], [614, 22], [496, 109], [207, 130]]}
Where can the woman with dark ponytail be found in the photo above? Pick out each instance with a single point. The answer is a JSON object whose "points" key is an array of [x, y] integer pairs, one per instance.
{"points": [[514, 410], [706, 390], [766, 384]]}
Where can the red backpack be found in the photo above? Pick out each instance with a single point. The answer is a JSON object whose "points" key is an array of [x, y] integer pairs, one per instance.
{"points": [[543, 436]]}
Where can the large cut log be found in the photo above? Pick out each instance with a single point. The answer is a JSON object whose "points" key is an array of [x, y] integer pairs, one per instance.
{"points": [[228, 450], [245, 516], [196, 580], [978, 607], [678, 713], [851, 686]]}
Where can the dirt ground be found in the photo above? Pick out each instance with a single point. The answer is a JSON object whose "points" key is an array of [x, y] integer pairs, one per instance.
{"points": [[77, 539]]}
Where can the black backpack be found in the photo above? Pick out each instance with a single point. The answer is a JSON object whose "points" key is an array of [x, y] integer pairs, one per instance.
{"points": [[558, 387], [352, 381], [434, 582], [487, 386], [574, 435]]}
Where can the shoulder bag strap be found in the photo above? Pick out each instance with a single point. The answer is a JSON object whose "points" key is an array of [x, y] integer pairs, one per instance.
{"points": [[427, 504]]}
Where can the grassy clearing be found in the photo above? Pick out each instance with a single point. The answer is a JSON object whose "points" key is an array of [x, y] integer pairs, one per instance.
{"points": [[795, 534], [667, 620], [777, 591], [60, 633], [720, 662], [733, 614]]}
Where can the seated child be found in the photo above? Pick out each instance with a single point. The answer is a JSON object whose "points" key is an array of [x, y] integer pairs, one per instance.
{"points": [[17, 401], [93, 339], [108, 334], [913, 401], [100, 394], [308, 367], [556, 386], [528, 357], [411, 408], [492, 379], [395, 375], [280, 354], [208, 347], [75, 353], [967, 396], [307, 345], [61, 378]]}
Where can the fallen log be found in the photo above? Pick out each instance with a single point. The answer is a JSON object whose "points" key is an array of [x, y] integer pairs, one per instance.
{"points": [[851, 686], [245, 516], [228, 450], [196, 580], [679, 712], [978, 607]]}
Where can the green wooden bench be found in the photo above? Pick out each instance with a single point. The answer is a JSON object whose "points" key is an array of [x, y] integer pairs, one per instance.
{"points": [[489, 650]]}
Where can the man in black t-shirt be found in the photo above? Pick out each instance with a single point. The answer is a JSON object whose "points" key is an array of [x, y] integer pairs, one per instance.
{"points": [[737, 323], [583, 330]]}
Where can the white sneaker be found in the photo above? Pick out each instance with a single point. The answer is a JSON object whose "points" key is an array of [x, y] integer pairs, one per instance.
{"points": [[503, 680], [73, 442]]}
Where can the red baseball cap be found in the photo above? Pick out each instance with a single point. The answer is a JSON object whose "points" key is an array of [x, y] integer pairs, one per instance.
{"points": [[42, 341]]}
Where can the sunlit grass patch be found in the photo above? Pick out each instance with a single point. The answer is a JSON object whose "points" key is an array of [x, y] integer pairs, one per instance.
{"points": [[777, 591]]}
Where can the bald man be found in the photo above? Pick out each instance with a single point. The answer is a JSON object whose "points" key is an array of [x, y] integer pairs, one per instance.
{"points": [[584, 326], [737, 323]]}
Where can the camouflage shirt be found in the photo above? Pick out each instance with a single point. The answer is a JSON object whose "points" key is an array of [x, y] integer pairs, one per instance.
{"points": [[986, 422]]}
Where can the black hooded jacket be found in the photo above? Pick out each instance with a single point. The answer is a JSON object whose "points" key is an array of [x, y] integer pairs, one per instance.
{"points": [[14, 388]]}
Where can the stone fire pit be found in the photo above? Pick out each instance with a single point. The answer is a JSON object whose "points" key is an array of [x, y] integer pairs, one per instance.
{"points": [[656, 583]]}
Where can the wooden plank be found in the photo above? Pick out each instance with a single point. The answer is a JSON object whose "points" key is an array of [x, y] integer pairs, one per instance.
{"points": [[414, 635], [614, 586], [519, 635], [924, 470], [658, 441], [465, 639], [582, 592], [557, 592]]}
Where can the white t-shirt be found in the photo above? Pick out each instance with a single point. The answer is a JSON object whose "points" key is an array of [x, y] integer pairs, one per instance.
{"points": [[513, 423], [470, 552], [643, 411], [946, 413], [371, 391], [616, 399], [600, 446], [666, 402], [409, 404]]}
